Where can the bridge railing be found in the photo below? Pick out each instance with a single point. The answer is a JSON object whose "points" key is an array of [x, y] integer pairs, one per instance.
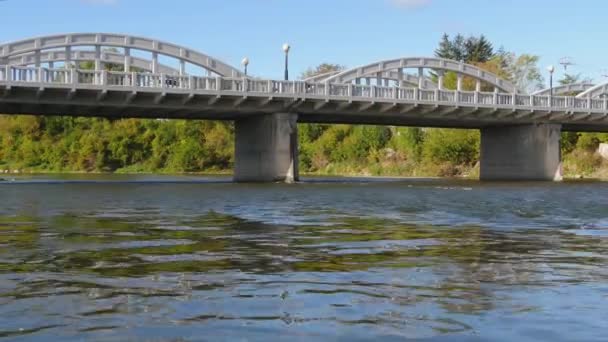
{"points": [[485, 98], [67, 76], [428, 95]]}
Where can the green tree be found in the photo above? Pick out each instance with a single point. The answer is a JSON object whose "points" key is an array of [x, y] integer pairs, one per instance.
{"points": [[323, 68]]}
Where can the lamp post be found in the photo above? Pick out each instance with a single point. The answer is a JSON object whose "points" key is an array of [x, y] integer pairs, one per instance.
{"points": [[551, 70], [245, 63], [286, 49]]}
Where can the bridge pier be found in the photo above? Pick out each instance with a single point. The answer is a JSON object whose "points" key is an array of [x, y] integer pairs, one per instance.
{"points": [[266, 148], [521, 152]]}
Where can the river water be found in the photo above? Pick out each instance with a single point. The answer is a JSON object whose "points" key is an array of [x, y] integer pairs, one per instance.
{"points": [[115, 258]]}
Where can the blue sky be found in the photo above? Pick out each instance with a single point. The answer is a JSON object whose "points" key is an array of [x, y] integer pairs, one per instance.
{"points": [[348, 32]]}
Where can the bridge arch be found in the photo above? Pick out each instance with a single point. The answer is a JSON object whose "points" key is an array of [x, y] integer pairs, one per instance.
{"points": [[595, 92], [53, 57], [396, 67], [407, 79], [566, 89], [39, 45]]}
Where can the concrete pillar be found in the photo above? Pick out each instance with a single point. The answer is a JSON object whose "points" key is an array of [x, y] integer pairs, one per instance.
{"points": [[440, 77], [459, 82], [37, 58], [154, 62], [521, 152], [68, 57], [127, 62], [266, 148], [182, 67], [98, 66]]}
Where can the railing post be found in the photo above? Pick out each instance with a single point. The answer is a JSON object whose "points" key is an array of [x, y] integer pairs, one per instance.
{"points": [[476, 97], [605, 103], [416, 94], [245, 85], [134, 79], [495, 99], [350, 90], [531, 100], [190, 82], [73, 76], [327, 90], [270, 90], [104, 77], [9, 74], [437, 94], [589, 103], [163, 81], [373, 91], [514, 99], [40, 71], [457, 96], [218, 83]]}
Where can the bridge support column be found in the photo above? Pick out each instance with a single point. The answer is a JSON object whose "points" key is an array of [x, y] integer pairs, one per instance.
{"points": [[267, 148], [521, 152]]}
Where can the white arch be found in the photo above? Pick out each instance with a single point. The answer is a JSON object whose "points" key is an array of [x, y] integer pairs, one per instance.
{"points": [[321, 77], [87, 56], [566, 89], [424, 63], [388, 75], [68, 41], [594, 92]]}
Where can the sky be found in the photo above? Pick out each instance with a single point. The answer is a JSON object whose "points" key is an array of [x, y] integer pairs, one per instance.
{"points": [[347, 32]]}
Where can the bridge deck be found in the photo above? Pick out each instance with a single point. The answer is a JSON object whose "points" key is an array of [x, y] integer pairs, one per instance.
{"points": [[43, 91]]}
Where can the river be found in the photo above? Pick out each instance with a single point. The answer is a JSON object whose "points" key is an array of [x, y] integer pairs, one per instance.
{"points": [[180, 258]]}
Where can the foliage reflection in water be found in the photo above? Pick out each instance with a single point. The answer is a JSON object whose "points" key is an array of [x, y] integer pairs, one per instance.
{"points": [[423, 259]]}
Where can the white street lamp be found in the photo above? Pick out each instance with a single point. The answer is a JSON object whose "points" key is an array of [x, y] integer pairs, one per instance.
{"points": [[245, 63], [551, 70], [286, 49]]}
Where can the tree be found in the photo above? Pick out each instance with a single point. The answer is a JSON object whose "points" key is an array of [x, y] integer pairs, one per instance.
{"points": [[321, 69], [570, 79], [446, 48], [478, 50], [469, 50], [525, 72]]}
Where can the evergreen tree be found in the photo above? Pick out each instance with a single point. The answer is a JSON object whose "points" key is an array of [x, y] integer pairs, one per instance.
{"points": [[445, 49], [478, 50], [570, 79]]}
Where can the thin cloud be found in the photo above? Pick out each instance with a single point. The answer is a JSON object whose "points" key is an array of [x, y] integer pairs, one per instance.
{"points": [[411, 4]]}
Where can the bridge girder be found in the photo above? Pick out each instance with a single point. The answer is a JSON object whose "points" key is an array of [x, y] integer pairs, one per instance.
{"points": [[127, 42], [437, 64], [594, 92], [566, 89], [88, 56], [394, 76]]}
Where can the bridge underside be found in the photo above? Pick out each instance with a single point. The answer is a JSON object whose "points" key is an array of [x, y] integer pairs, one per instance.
{"points": [[146, 103], [516, 144]]}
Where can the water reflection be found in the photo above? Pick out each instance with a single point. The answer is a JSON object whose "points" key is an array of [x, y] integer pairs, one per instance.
{"points": [[427, 259]]}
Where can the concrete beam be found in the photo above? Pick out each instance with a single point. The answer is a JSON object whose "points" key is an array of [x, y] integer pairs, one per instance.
{"points": [[266, 148], [521, 152]]}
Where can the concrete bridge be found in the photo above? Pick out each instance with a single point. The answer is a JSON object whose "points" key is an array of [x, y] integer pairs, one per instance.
{"points": [[520, 132]]}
